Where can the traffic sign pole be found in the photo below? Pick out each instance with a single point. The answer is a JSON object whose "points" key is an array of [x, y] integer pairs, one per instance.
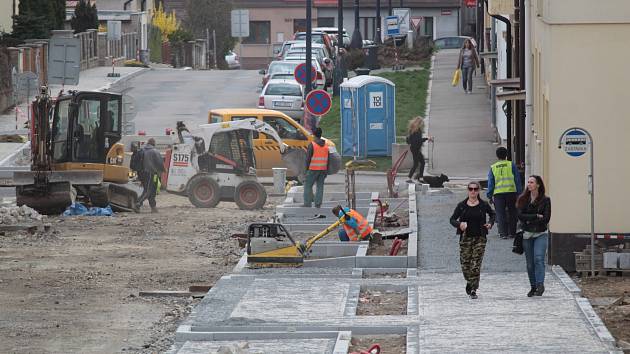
{"points": [[309, 46], [573, 141]]}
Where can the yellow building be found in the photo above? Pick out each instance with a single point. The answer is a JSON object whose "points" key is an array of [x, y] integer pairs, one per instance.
{"points": [[8, 8], [579, 52]]}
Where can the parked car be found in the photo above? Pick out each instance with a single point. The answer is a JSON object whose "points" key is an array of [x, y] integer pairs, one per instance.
{"points": [[317, 50], [322, 78], [455, 42], [316, 37], [285, 47], [232, 60], [278, 67], [286, 96], [332, 32]]}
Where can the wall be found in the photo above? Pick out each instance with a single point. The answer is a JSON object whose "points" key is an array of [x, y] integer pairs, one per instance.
{"points": [[6, 11], [580, 80], [501, 123], [259, 55]]}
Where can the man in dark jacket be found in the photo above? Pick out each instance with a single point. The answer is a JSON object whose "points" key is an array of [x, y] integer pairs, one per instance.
{"points": [[316, 169], [152, 168]]}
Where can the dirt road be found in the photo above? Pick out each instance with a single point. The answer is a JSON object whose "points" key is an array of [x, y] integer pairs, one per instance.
{"points": [[75, 290]]}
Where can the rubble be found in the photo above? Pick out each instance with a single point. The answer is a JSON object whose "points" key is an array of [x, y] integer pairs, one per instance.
{"points": [[17, 215]]}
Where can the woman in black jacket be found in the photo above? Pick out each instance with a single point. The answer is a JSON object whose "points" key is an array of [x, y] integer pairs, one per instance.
{"points": [[534, 213], [415, 140], [469, 218]]}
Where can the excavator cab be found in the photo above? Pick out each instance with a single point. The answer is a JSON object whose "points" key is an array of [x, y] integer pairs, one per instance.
{"points": [[85, 131]]}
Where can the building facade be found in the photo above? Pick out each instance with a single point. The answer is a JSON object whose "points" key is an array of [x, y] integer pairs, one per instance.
{"points": [[273, 22], [8, 8]]}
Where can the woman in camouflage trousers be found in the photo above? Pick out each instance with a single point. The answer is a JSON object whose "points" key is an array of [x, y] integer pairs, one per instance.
{"points": [[469, 218]]}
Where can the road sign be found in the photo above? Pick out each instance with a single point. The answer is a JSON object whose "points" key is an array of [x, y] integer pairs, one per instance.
{"points": [[300, 74], [114, 30], [403, 19], [64, 59], [318, 102], [393, 29], [240, 23], [575, 142]]}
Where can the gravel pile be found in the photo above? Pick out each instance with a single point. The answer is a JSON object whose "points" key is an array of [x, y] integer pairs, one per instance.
{"points": [[15, 215]]}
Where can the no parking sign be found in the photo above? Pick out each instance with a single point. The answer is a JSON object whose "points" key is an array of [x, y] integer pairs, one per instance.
{"points": [[318, 102]]}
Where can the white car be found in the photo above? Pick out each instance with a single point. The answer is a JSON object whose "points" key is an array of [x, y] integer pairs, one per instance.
{"points": [[232, 60], [286, 96]]}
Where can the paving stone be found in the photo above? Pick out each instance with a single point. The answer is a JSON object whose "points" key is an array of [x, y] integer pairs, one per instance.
{"points": [[278, 346]]}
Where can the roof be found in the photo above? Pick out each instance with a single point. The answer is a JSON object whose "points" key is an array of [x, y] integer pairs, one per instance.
{"points": [[361, 80], [283, 81], [244, 111], [346, 3]]}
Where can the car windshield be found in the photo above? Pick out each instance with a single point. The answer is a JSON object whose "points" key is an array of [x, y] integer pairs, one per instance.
{"points": [[283, 90], [315, 37], [278, 67]]}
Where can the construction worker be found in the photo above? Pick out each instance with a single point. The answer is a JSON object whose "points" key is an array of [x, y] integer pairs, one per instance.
{"points": [[504, 185], [152, 168], [316, 170], [355, 226]]}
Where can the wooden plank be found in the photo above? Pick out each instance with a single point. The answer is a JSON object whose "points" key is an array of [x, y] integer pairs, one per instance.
{"points": [[165, 293]]}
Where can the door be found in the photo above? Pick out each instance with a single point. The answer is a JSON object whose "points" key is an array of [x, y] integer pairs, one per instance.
{"points": [[376, 121], [88, 142], [290, 133]]}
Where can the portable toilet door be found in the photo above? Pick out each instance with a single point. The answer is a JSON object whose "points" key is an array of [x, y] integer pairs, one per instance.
{"points": [[379, 130], [349, 121]]}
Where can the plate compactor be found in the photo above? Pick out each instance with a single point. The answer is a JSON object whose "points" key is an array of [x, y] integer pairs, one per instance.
{"points": [[271, 245]]}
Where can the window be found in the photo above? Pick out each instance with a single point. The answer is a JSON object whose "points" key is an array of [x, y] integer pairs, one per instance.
{"points": [[60, 131], [285, 129], [215, 118], [235, 118], [325, 22], [283, 90], [299, 25], [112, 125], [86, 136], [259, 33]]}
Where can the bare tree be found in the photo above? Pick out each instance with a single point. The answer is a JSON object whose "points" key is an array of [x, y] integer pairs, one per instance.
{"points": [[211, 15]]}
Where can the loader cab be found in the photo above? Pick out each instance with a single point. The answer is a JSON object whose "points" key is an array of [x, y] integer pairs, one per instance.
{"points": [[86, 125], [230, 152]]}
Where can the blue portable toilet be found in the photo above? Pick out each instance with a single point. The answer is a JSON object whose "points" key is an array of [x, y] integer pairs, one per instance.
{"points": [[368, 116]]}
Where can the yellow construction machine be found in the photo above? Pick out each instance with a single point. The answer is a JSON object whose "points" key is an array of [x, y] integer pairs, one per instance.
{"points": [[75, 152], [271, 245]]}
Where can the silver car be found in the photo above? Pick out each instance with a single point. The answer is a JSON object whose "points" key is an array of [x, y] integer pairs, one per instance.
{"points": [[286, 96], [232, 60]]}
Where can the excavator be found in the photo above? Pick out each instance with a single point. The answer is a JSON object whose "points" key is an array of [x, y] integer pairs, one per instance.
{"points": [[76, 153]]}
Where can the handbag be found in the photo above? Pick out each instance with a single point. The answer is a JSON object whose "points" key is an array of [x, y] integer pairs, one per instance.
{"points": [[517, 246], [456, 76]]}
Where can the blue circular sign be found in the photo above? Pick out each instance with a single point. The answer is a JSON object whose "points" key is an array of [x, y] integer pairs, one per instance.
{"points": [[300, 74], [575, 142], [318, 102]]}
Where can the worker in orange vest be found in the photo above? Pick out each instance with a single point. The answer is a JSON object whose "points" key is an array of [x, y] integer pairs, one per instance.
{"points": [[355, 226], [316, 170]]}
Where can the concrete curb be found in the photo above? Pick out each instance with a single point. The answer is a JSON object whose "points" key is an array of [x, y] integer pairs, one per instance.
{"points": [[113, 85], [587, 310]]}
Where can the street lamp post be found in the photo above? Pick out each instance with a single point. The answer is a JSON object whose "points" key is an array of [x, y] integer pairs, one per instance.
{"points": [[309, 46]]}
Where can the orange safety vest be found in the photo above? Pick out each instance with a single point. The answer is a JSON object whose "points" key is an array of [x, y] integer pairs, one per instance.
{"points": [[319, 161], [364, 227]]}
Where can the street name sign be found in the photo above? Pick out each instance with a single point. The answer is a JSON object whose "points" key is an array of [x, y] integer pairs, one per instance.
{"points": [[393, 29], [318, 102]]}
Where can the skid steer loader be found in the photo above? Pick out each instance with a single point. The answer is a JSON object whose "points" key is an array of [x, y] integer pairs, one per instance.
{"points": [[218, 163], [78, 155]]}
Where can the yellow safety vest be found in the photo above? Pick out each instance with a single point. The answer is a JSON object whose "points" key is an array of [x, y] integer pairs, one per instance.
{"points": [[503, 177]]}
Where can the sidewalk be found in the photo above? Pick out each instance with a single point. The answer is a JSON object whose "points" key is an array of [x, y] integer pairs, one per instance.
{"points": [[94, 79], [90, 80], [460, 123]]}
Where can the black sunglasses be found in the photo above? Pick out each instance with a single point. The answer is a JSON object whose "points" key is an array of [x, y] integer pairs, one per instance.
{"points": [[473, 188]]}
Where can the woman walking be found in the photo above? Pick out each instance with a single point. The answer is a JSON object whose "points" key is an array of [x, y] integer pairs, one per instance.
{"points": [[534, 213], [469, 218], [468, 62], [415, 140]]}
